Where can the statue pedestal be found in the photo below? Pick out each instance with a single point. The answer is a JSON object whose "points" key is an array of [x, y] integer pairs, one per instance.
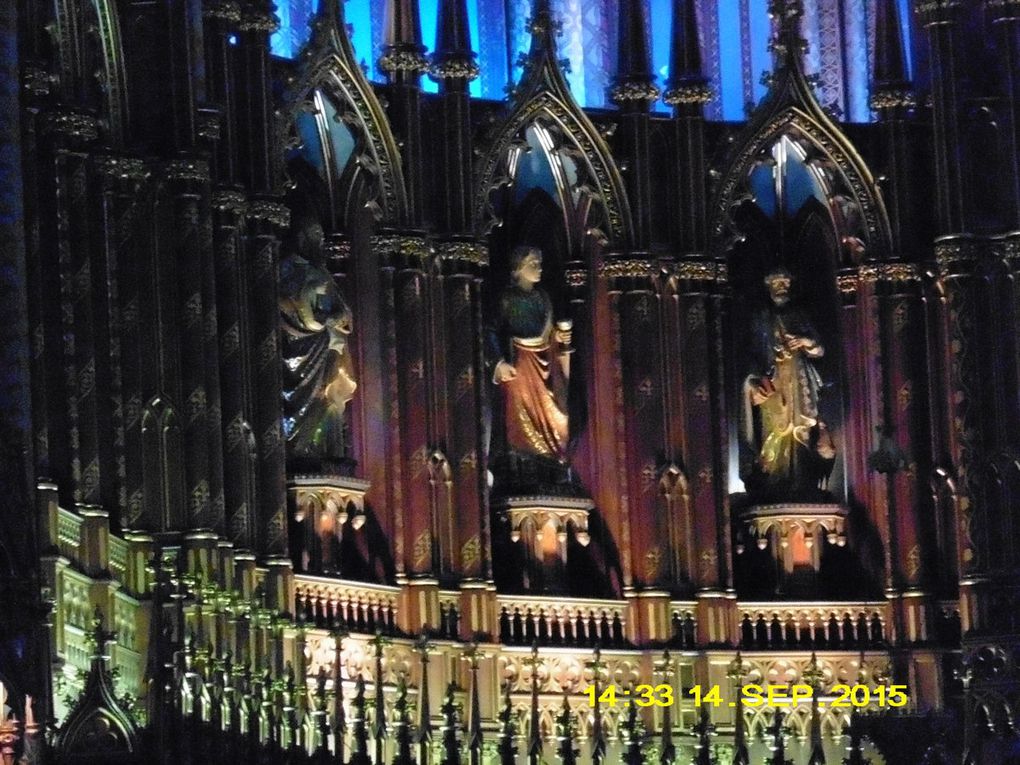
{"points": [[325, 506], [543, 525], [795, 531]]}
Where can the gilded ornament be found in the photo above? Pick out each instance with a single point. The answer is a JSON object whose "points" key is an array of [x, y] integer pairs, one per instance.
{"points": [[628, 269], [123, 168], [891, 98], [692, 93], [409, 247], [222, 10], [634, 90], [890, 272], [230, 201], [454, 68], [36, 80], [258, 21], [701, 271], [272, 212], [576, 277], [69, 124], [187, 170], [403, 59], [474, 253]]}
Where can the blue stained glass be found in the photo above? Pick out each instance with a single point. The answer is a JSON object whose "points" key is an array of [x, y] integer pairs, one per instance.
{"points": [[729, 60], [359, 17], [906, 17], [761, 58], [428, 10], [589, 41], [660, 17]]}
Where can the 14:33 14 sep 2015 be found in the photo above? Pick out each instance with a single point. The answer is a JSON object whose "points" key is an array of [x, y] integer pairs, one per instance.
{"points": [[751, 695]]}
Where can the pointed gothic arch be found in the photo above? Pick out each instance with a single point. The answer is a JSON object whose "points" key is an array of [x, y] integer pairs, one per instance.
{"points": [[791, 110], [329, 69], [544, 100]]}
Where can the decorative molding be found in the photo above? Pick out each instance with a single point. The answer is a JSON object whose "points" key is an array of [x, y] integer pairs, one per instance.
{"points": [[701, 271], [889, 272], [474, 253], [258, 21], [222, 10], [404, 58], [848, 283], [408, 246], [954, 255], [122, 168], [634, 90], [230, 200], [576, 277], [36, 81], [208, 124], [187, 170], [68, 124], [891, 98], [454, 68], [694, 93], [273, 212], [628, 268]]}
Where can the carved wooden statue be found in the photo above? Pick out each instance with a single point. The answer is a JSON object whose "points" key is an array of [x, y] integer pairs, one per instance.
{"points": [[530, 359], [318, 380], [795, 449]]}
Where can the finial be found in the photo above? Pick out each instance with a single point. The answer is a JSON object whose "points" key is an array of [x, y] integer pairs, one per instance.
{"points": [[403, 54], [787, 43], [890, 85], [507, 731], [634, 82], [567, 753], [453, 58], [686, 84], [403, 725]]}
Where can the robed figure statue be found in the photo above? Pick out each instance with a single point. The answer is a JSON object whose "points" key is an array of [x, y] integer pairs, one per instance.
{"points": [[529, 355], [795, 451], [318, 381]]}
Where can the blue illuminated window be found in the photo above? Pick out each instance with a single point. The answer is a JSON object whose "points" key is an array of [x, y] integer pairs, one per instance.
{"points": [[734, 41]]}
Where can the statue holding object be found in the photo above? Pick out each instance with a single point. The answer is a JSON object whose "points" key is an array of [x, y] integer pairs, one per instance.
{"points": [[529, 355], [318, 381], [795, 450]]}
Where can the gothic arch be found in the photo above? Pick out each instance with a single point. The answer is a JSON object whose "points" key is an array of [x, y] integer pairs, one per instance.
{"points": [[543, 99], [329, 67], [791, 109]]}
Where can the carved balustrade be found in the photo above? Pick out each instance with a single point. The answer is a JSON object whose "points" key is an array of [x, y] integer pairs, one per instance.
{"points": [[813, 626]]}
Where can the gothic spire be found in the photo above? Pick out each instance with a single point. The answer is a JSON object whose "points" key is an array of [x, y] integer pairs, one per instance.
{"points": [[687, 83], [403, 53], [453, 57], [890, 58], [634, 82], [788, 46]]}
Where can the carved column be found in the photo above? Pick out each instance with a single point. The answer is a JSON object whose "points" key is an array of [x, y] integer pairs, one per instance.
{"points": [[861, 336], [235, 362], [189, 189], [1005, 16], [461, 266], [74, 413], [406, 314], [221, 21], [940, 19], [633, 283], [266, 220], [956, 259], [700, 307], [902, 454], [257, 158]]}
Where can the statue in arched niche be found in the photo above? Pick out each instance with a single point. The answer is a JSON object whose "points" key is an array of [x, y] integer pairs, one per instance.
{"points": [[529, 358], [795, 450], [318, 380]]}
